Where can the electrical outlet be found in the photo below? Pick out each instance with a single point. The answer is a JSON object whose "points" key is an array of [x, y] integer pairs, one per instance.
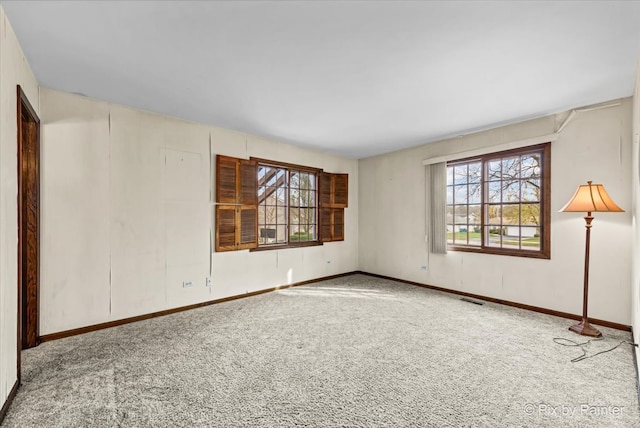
{"points": [[423, 267], [207, 282], [186, 284]]}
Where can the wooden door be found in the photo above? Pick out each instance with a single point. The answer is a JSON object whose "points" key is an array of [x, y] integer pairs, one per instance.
{"points": [[28, 222]]}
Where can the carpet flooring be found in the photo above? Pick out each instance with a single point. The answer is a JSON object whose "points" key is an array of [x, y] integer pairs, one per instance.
{"points": [[356, 351]]}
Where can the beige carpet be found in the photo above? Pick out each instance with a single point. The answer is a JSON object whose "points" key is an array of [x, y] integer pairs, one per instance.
{"points": [[351, 352]]}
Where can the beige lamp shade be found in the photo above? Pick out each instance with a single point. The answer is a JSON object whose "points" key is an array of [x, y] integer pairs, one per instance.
{"points": [[591, 198]]}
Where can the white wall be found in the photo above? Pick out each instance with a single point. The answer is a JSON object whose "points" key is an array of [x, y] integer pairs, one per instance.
{"points": [[595, 145], [127, 214], [635, 176], [14, 70]]}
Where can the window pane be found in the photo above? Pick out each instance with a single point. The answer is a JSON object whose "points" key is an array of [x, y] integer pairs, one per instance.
{"points": [[308, 216], [493, 236], [460, 235], [450, 233], [294, 216], [495, 170], [294, 180], [474, 214], [306, 199], [511, 168], [530, 238], [460, 174], [270, 214], [475, 235], [475, 193], [461, 214], [530, 166], [511, 214], [281, 215], [449, 214], [511, 236], [263, 174], [530, 214], [449, 175], [511, 191], [475, 172], [460, 196], [494, 215], [294, 197], [449, 194], [305, 182], [531, 190], [270, 176], [495, 192]]}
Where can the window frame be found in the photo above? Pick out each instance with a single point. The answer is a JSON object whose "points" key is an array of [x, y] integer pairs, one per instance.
{"points": [[545, 203], [300, 168]]}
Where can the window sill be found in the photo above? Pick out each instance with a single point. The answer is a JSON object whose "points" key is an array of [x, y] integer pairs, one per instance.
{"points": [[268, 247], [501, 252]]}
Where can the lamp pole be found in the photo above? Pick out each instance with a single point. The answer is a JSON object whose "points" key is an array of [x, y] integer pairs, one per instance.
{"points": [[584, 327]]}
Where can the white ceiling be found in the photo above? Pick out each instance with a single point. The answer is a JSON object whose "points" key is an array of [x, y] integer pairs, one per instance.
{"points": [[356, 78]]}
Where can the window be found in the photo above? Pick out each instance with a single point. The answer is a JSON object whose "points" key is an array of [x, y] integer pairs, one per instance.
{"points": [[287, 205], [499, 203], [266, 204]]}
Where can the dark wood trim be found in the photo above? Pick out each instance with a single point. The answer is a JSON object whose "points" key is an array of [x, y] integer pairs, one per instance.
{"points": [[546, 311], [22, 97], [267, 247], [286, 165], [500, 251], [545, 203], [19, 226], [28, 247], [545, 230], [502, 153], [95, 327], [7, 403]]}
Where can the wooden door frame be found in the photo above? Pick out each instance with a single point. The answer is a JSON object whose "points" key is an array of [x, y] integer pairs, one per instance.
{"points": [[26, 113]]}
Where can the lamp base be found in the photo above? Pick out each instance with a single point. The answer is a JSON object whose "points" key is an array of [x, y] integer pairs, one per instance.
{"points": [[585, 329]]}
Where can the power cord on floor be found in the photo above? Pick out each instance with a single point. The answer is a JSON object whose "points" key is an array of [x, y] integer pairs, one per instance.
{"points": [[568, 342]]}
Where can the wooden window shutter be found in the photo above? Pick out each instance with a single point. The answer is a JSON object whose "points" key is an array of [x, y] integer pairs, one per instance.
{"points": [[340, 187], [237, 204], [333, 198], [225, 228], [338, 224], [334, 190], [226, 179], [248, 190], [325, 225], [248, 221], [324, 196]]}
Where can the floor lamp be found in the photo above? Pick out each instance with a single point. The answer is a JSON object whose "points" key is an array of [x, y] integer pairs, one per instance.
{"points": [[589, 198]]}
